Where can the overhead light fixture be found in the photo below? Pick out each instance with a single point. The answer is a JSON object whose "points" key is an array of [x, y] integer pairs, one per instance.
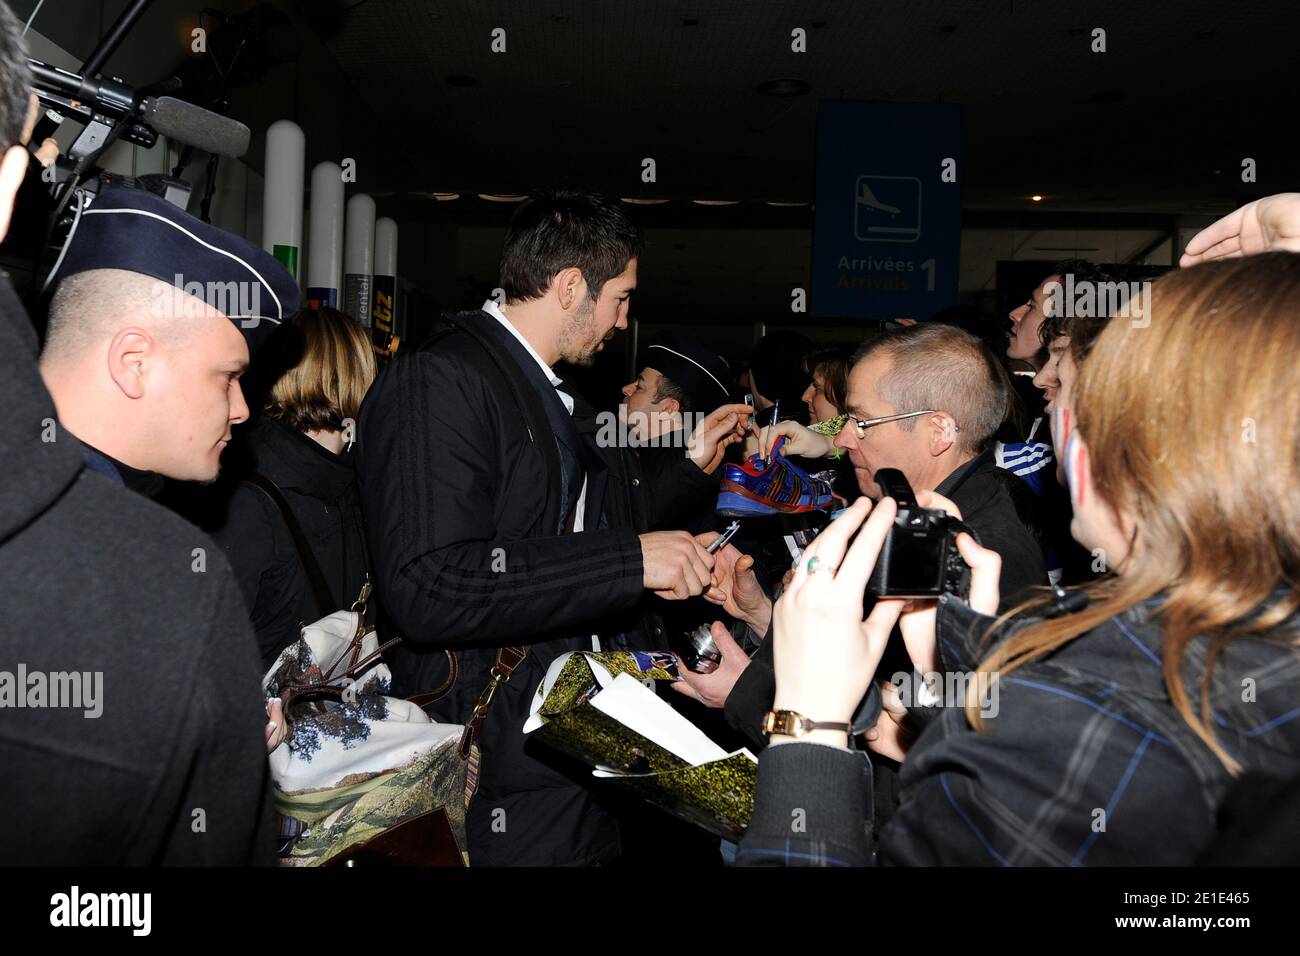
{"points": [[716, 202], [1036, 197], [786, 204], [445, 197], [494, 197], [644, 202]]}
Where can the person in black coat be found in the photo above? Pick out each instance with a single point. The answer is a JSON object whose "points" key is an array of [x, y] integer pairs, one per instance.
{"points": [[680, 382], [151, 750], [497, 519], [321, 365]]}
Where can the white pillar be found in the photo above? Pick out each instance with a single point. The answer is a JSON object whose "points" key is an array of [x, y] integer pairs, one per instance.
{"points": [[286, 150], [325, 246], [358, 257]]}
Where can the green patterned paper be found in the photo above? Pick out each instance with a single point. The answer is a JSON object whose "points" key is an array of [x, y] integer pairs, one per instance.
{"points": [[717, 796]]}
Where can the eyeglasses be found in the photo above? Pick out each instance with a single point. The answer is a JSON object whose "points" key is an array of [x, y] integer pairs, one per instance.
{"points": [[862, 425]]}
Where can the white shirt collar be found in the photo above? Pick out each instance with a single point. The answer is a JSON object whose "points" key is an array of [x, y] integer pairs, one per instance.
{"points": [[491, 308]]}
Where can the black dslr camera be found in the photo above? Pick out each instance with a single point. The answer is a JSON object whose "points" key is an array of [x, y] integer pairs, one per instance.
{"points": [[920, 557]]}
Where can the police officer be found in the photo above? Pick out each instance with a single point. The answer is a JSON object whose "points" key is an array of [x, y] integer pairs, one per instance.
{"points": [[149, 331], [130, 730]]}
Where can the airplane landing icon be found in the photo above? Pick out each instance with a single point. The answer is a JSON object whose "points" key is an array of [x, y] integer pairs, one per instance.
{"points": [[887, 209], [868, 199]]}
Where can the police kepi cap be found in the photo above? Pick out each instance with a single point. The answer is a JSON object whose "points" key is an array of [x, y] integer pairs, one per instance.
{"points": [[138, 231], [700, 373]]}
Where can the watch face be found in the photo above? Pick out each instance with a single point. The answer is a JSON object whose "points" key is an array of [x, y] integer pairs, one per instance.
{"points": [[785, 722]]}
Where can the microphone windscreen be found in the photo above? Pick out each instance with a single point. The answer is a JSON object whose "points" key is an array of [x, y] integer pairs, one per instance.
{"points": [[197, 127]]}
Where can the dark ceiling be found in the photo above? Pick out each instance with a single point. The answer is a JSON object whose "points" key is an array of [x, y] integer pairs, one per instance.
{"points": [[1128, 147], [585, 90]]}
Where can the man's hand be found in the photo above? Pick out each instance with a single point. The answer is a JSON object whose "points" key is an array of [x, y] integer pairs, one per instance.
{"points": [[722, 427], [800, 440], [1265, 225], [713, 689], [735, 587], [676, 567]]}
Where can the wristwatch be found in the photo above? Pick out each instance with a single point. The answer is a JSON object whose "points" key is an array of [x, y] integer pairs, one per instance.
{"points": [[793, 724]]}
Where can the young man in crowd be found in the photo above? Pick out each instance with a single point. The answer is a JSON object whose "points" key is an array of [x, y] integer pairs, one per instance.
{"points": [[503, 531]]}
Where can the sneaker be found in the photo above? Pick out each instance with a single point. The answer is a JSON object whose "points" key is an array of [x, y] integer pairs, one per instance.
{"points": [[779, 487]]}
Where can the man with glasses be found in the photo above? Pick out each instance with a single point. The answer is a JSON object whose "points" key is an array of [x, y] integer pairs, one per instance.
{"points": [[926, 400]]}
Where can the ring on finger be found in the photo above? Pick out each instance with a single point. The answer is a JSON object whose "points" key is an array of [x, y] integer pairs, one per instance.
{"points": [[814, 565]]}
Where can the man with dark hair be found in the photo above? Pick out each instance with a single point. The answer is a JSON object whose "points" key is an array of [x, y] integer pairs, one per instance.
{"points": [[566, 229], [504, 531], [1067, 335], [131, 729], [680, 393], [678, 376]]}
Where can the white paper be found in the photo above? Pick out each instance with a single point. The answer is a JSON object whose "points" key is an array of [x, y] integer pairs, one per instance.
{"points": [[629, 702]]}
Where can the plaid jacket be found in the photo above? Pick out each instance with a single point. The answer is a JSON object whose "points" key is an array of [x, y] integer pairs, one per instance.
{"points": [[1085, 762]]}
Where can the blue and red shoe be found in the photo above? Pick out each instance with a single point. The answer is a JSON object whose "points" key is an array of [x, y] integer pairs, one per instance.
{"points": [[779, 487]]}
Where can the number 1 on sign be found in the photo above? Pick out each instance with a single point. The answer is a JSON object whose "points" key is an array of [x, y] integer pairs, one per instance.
{"points": [[928, 266]]}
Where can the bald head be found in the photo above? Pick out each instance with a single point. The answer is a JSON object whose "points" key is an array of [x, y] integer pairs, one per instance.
{"points": [[89, 308], [144, 372]]}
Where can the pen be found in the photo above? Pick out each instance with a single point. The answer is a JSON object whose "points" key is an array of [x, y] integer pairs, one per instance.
{"points": [[776, 417], [724, 537]]}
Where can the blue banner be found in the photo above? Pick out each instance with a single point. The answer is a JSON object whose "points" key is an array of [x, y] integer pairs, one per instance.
{"points": [[887, 234]]}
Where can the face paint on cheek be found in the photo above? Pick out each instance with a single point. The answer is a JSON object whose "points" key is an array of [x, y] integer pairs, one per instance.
{"points": [[1076, 470], [1061, 426]]}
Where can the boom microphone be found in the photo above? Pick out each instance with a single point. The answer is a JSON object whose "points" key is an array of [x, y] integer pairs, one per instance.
{"points": [[87, 99], [195, 126]]}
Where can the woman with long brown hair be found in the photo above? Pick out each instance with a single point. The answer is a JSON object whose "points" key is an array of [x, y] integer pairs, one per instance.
{"points": [[1102, 726]]}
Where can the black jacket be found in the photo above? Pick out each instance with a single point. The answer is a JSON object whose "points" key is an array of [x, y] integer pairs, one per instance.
{"points": [[99, 579], [1084, 760], [459, 456], [675, 494], [321, 489], [987, 498]]}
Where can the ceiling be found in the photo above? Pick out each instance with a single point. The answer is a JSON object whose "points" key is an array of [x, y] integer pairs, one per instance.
{"points": [[586, 89], [1127, 146]]}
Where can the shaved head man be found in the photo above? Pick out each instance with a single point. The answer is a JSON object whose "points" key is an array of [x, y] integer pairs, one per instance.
{"points": [[149, 332], [145, 373]]}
